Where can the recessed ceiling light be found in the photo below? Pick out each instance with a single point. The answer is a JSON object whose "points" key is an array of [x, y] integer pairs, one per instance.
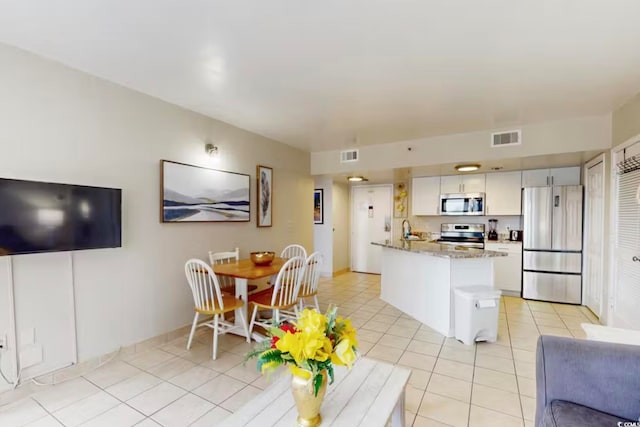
{"points": [[467, 168], [359, 178]]}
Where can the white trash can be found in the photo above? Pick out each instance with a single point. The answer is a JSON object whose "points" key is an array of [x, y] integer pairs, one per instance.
{"points": [[476, 313]]}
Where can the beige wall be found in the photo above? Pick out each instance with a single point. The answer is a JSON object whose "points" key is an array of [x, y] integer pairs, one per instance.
{"points": [[341, 227], [626, 121], [62, 125], [574, 135]]}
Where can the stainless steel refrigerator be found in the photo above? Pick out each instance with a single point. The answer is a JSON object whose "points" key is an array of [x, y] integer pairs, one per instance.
{"points": [[552, 244]]}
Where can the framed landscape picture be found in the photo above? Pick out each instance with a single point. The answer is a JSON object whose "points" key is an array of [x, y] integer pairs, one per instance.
{"points": [[264, 176], [318, 211], [196, 194]]}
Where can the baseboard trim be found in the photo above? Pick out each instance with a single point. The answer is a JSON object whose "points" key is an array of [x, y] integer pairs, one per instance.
{"points": [[339, 272], [85, 366]]}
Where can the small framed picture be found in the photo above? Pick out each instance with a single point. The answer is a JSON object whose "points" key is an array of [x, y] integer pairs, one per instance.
{"points": [[264, 176], [318, 209]]}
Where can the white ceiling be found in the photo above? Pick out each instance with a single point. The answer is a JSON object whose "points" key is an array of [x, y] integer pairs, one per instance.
{"points": [[333, 74]]}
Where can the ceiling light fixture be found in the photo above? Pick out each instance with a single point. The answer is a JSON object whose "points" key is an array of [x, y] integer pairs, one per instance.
{"points": [[358, 178], [211, 149], [467, 168]]}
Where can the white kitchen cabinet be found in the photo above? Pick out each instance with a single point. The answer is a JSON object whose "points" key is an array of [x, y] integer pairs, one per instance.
{"points": [[425, 195], [535, 178], [507, 271], [565, 176], [474, 183], [503, 193], [554, 176]]}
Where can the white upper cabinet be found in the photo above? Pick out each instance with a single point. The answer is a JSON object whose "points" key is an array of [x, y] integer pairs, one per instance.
{"points": [[565, 176], [463, 184], [547, 177], [503, 193], [535, 178], [473, 183], [451, 184], [425, 195]]}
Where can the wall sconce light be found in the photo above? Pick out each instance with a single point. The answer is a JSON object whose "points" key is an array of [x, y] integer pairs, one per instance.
{"points": [[212, 150]]}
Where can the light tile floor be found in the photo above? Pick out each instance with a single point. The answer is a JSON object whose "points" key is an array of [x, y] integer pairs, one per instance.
{"points": [[451, 383]]}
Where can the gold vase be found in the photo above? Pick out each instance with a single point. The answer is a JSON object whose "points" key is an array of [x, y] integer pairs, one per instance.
{"points": [[307, 402]]}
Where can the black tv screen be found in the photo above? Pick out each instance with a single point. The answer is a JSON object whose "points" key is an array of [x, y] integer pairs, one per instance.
{"points": [[45, 217]]}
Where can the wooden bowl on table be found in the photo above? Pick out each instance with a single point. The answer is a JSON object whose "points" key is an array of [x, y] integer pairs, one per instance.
{"points": [[262, 258]]}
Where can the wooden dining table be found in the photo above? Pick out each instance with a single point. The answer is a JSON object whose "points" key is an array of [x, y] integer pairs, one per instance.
{"points": [[242, 271]]}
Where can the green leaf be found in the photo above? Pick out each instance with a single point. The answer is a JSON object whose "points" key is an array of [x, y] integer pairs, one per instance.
{"points": [[317, 383], [277, 332], [331, 318], [330, 372]]}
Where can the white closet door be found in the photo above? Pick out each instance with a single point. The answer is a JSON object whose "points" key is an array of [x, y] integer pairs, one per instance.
{"points": [[627, 286], [594, 238]]}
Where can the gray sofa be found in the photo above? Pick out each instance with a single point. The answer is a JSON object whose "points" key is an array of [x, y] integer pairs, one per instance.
{"points": [[586, 383]]}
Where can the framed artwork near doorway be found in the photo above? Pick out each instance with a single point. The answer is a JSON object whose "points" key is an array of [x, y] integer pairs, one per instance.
{"points": [[318, 208], [264, 176]]}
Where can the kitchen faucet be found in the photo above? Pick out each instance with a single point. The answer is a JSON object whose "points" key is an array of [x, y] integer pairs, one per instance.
{"points": [[406, 228]]}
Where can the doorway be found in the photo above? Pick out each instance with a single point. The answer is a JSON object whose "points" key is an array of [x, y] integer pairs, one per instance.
{"points": [[594, 235], [371, 221]]}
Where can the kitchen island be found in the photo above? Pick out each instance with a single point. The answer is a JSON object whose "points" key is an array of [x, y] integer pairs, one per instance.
{"points": [[418, 278]]}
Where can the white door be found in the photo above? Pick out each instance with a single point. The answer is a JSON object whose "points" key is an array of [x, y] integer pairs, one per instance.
{"points": [[594, 237], [371, 209]]}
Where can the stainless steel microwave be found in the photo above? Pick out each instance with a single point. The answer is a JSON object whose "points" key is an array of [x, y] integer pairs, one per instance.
{"points": [[462, 204]]}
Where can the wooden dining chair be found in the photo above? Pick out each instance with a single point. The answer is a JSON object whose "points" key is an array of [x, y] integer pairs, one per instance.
{"points": [[210, 301], [226, 283], [281, 296], [310, 280], [294, 250]]}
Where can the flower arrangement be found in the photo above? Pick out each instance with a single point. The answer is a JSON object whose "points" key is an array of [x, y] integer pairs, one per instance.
{"points": [[312, 344]]}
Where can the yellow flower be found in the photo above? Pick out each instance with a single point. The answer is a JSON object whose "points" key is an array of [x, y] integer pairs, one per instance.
{"points": [[347, 332], [311, 320], [290, 343], [305, 345], [302, 373], [344, 354]]}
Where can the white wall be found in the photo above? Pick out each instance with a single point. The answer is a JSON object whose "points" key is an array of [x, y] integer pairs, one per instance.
{"points": [[323, 233], [61, 125], [626, 121], [581, 134]]}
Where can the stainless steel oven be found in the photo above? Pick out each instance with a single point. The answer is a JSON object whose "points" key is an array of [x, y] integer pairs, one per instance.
{"points": [[462, 204], [469, 235]]}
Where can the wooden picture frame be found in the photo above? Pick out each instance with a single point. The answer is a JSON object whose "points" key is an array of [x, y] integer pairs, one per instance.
{"points": [[264, 195], [318, 206], [191, 193]]}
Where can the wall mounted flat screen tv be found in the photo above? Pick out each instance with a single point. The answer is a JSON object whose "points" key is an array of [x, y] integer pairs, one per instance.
{"points": [[45, 217]]}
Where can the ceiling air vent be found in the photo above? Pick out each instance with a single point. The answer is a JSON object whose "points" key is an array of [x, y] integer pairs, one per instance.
{"points": [[503, 139], [347, 156]]}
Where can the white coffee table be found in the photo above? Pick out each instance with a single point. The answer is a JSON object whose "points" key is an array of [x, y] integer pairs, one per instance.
{"points": [[368, 395]]}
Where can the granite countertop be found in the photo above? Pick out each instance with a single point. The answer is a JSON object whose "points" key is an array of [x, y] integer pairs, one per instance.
{"points": [[439, 250], [503, 241]]}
